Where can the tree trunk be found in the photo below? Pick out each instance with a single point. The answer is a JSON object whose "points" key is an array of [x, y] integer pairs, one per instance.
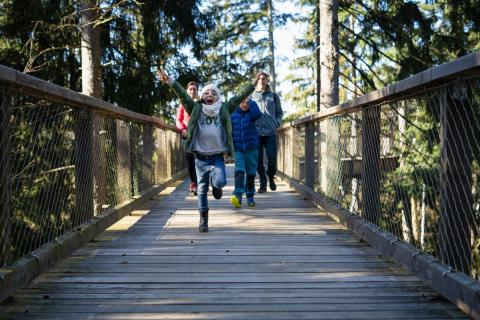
{"points": [[329, 70], [92, 86], [91, 51], [317, 55], [273, 82], [330, 158]]}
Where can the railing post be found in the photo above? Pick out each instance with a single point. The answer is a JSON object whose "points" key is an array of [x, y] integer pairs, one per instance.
{"points": [[147, 156], [289, 150], [169, 151], [83, 167], [161, 156], [123, 161], [456, 215], [371, 164], [99, 163], [310, 155], [354, 152], [5, 214]]}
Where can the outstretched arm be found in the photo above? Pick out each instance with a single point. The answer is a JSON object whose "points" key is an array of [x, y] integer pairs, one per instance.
{"points": [[242, 95], [185, 99]]}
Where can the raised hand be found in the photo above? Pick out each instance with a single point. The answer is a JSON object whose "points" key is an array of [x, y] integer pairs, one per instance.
{"points": [[256, 79], [163, 76]]}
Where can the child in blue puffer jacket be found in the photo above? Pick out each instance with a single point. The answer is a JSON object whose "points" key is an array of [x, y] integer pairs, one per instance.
{"points": [[245, 143]]}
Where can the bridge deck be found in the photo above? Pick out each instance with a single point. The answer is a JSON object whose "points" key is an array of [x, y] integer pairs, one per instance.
{"points": [[283, 259]]}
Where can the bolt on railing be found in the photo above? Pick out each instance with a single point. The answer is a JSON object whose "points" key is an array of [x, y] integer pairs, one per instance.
{"points": [[66, 158], [405, 158]]}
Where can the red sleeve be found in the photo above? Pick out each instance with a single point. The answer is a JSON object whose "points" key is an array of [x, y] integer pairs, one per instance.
{"points": [[180, 117]]}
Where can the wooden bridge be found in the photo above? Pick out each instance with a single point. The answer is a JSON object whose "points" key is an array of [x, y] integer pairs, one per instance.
{"points": [[283, 259], [377, 214]]}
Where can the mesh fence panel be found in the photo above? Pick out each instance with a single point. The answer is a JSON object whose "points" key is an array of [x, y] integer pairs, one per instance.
{"points": [[411, 166], [63, 165]]}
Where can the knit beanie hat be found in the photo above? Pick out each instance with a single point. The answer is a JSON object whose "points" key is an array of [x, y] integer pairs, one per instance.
{"points": [[211, 87]]}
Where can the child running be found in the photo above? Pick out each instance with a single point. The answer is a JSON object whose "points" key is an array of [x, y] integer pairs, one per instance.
{"points": [[181, 121], [209, 136], [245, 142]]}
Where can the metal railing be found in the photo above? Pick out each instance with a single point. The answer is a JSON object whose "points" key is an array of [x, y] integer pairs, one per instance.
{"points": [[67, 158], [405, 158]]}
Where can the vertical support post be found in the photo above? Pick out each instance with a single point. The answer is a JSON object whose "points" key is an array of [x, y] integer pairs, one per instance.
{"points": [[456, 215], [84, 196], [353, 156], [123, 161], [147, 156], [371, 164], [170, 160], [291, 147], [161, 155], [310, 155], [5, 213], [99, 162]]}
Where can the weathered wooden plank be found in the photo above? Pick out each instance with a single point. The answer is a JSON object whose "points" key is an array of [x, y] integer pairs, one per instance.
{"points": [[399, 314], [188, 294], [214, 268], [221, 277], [221, 307], [119, 287]]}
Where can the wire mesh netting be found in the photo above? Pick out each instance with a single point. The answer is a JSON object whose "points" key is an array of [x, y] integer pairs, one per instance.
{"points": [[410, 166], [63, 165]]}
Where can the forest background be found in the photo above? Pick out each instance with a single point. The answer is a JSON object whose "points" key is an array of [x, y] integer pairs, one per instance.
{"points": [[226, 42]]}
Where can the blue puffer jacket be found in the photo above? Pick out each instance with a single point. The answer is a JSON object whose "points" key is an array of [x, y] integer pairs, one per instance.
{"points": [[244, 132]]}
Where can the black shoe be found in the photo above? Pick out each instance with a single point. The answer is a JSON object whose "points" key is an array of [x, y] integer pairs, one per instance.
{"points": [[273, 186], [203, 226], [217, 193], [262, 190]]}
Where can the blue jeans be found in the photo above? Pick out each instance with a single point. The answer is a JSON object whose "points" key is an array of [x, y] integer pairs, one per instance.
{"points": [[269, 143], [210, 169], [245, 162]]}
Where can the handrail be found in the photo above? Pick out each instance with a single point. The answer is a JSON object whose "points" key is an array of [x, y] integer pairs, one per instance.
{"points": [[469, 64], [44, 89]]}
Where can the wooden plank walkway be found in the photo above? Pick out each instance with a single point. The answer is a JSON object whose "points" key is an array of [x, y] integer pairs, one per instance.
{"points": [[283, 259]]}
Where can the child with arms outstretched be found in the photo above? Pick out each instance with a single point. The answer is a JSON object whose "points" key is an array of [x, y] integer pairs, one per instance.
{"points": [[209, 136]]}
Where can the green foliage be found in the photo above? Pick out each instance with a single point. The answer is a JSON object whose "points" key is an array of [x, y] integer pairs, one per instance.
{"points": [[381, 42], [42, 38], [238, 46]]}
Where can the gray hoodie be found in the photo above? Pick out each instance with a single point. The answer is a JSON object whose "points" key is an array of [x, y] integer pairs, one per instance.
{"points": [[272, 113]]}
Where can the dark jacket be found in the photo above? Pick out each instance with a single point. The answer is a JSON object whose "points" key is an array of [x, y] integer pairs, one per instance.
{"points": [[244, 132], [194, 109], [272, 113]]}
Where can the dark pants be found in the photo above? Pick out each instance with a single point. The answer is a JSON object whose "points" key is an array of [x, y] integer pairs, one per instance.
{"points": [[190, 157], [269, 143]]}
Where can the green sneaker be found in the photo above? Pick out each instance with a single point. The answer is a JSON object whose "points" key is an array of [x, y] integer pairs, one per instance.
{"points": [[234, 201]]}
